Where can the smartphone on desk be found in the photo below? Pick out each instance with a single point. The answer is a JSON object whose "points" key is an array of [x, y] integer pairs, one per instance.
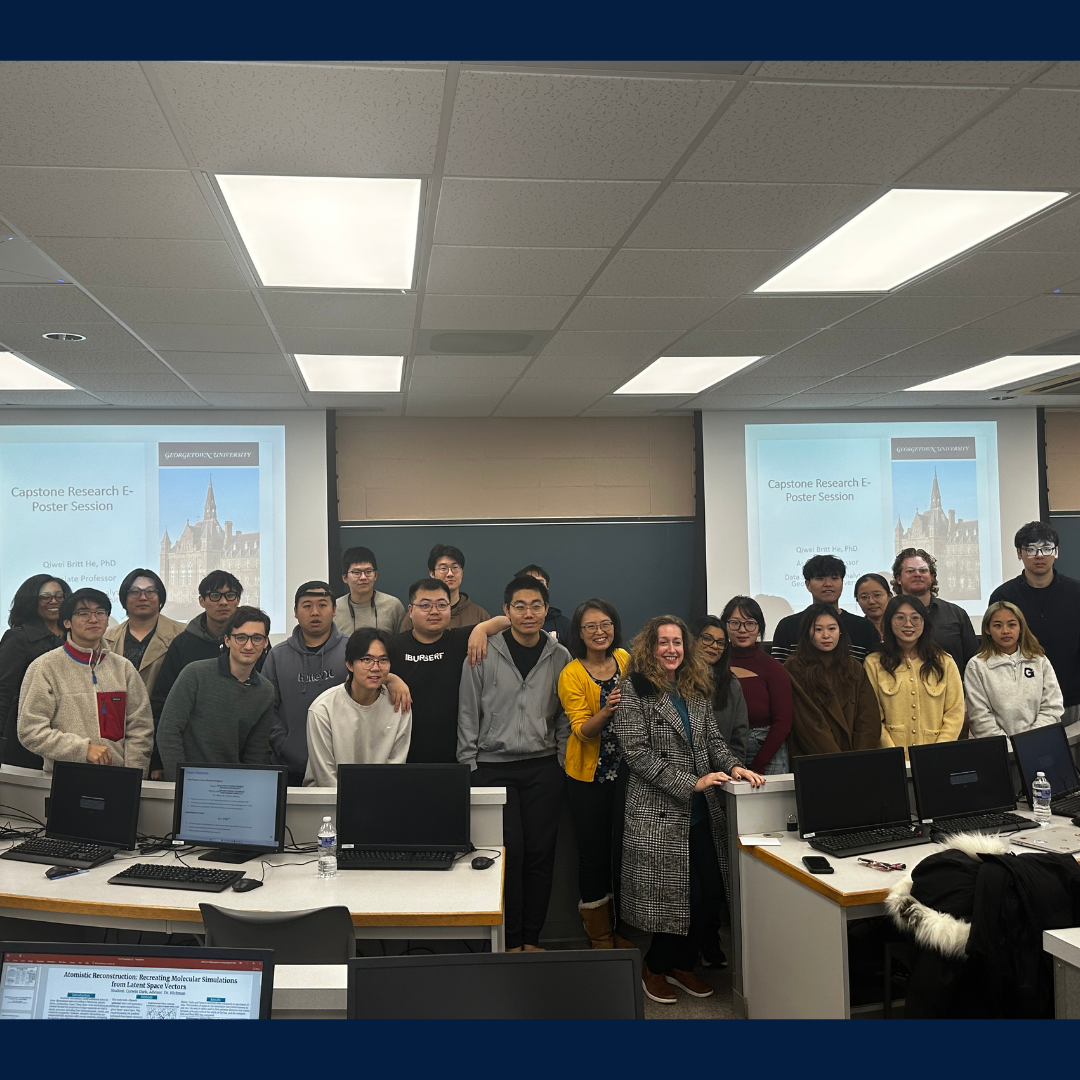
{"points": [[817, 864]]}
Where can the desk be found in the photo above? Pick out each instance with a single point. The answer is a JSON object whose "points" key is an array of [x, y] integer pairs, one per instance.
{"points": [[1064, 947], [310, 992]]}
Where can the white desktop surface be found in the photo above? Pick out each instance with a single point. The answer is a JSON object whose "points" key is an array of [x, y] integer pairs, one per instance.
{"points": [[1064, 944]]}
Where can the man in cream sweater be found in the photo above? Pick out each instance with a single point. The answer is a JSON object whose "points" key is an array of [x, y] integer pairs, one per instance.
{"points": [[83, 703], [356, 724]]}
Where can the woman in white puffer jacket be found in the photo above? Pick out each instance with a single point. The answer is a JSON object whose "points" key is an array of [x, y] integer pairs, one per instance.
{"points": [[1009, 685]]}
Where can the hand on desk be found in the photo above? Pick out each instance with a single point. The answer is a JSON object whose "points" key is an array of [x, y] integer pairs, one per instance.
{"points": [[714, 779]]}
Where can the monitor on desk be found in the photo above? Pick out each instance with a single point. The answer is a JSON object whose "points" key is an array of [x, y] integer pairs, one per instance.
{"points": [[956, 778], [238, 810], [1045, 750], [73, 981], [572, 985], [95, 803]]}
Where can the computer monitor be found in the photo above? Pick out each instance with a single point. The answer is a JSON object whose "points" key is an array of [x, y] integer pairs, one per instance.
{"points": [[956, 778], [404, 806], [856, 790], [238, 810], [73, 981], [573, 985], [1045, 750], [97, 803]]}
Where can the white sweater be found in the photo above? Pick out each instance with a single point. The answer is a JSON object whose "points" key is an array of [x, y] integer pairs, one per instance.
{"points": [[341, 732], [1007, 694]]}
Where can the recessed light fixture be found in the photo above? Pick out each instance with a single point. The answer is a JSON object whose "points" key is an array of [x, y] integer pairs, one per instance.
{"points": [[17, 374], [684, 374], [994, 373], [903, 234], [57, 336], [327, 232], [351, 374]]}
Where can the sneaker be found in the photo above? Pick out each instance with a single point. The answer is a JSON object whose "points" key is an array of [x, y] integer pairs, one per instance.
{"points": [[656, 987], [712, 956], [688, 981]]}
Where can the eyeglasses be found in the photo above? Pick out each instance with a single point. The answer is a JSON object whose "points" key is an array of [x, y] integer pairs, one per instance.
{"points": [[866, 597], [519, 607], [1031, 550], [90, 616], [448, 568], [708, 639], [426, 605], [908, 620], [373, 661], [746, 624], [597, 627], [243, 639], [216, 596], [51, 596], [151, 591], [362, 573]]}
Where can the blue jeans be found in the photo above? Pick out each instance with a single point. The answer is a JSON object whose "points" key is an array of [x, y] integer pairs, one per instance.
{"points": [[754, 742]]}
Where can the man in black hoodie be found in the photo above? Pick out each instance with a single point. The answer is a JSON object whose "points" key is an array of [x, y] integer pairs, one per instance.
{"points": [[557, 625]]}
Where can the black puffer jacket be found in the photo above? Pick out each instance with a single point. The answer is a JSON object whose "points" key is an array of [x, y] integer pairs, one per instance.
{"points": [[19, 648]]}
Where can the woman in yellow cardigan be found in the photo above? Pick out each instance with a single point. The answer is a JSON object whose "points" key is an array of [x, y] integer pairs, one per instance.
{"points": [[589, 692], [917, 683]]}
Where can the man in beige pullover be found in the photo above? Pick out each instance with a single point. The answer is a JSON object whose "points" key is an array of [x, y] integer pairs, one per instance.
{"points": [[356, 724], [83, 703]]}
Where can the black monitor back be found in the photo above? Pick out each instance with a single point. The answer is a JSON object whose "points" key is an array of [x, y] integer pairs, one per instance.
{"points": [[966, 777], [857, 790], [95, 802], [1045, 750]]}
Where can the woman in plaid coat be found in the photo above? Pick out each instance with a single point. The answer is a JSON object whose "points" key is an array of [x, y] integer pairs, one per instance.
{"points": [[676, 756]]}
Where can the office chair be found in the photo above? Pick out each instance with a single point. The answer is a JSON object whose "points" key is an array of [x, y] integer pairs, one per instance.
{"points": [[318, 936]]}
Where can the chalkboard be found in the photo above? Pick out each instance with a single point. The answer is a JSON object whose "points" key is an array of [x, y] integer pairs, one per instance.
{"points": [[1068, 529], [643, 567]]}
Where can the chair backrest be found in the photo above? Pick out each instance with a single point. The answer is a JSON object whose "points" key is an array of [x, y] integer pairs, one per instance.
{"points": [[318, 936]]}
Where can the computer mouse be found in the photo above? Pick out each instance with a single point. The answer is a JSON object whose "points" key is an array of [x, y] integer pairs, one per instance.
{"points": [[482, 862], [62, 871], [246, 884]]}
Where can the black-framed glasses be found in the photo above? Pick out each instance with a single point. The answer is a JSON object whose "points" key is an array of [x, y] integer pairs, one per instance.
{"points": [[709, 640], [149, 591], [597, 627], [746, 624], [449, 568], [90, 616], [255, 639], [57, 596], [370, 662], [358, 573], [1031, 550], [216, 596], [426, 605]]}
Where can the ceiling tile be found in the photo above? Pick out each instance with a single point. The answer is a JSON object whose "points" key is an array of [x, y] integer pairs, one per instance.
{"points": [[927, 312], [825, 365], [161, 264], [721, 400], [451, 406], [638, 347], [191, 337], [639, 313], [617, 368], [977, 72], [307, 120], [234, 307], [1063, 73], [165, 399], [1018, 145], [79, 113], [753, 384], [943, 400], [376, 311], [1001, 273], [1039, 313], [106, 202], [784, 312], [100, 337], [633, 405], [221, 382], [433, 388], [102, 383], [815, 401], [33, 303], [537, 213], [974, 344], [783, 132], [686, 273], [348, 341], [735, 343], [510, 124], [117, 362], [493, 312], [255, 401], [468, 367], [860, 384], [855, 343], [52, 399], [746, 215], [209, 363], [512, 271], [1056, 230], [389, 404]]}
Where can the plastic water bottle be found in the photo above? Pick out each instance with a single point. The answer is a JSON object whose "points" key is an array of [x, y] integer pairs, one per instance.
{"points": [[327, 849], [1040, 799]]}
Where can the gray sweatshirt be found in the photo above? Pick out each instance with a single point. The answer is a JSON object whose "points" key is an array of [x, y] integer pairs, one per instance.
{"points": [[382, 611], [299, 676], [1007, 694], [502, 717]]}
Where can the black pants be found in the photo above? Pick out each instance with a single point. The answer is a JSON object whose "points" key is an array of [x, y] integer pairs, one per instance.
{"points": [[680, 951], [534, 794], [597, 812]]}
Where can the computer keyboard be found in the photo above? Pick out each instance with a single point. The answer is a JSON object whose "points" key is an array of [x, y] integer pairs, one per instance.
{"points": [[197, 879], [78, 853], [1066, 806], [367, 859], [863, 841], [987, 823]]}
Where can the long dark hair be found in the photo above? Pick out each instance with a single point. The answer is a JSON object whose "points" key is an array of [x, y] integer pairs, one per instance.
{"points": [[578, 649], [821, 672], [929, 652], [24, 605], [748, 606]]}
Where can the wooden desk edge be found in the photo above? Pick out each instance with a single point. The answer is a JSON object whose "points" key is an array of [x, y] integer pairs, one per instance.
{"points": [[815, 881]]}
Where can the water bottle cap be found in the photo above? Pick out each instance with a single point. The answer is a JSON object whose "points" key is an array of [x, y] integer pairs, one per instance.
{"points": [[327, 818], [1038, 774]]}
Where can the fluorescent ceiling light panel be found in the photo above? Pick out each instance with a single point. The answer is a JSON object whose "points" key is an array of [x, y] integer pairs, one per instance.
{"points": [[351, 374], [17, 374], [684, 374], [905, 233], [994, 373], [327, 232]]}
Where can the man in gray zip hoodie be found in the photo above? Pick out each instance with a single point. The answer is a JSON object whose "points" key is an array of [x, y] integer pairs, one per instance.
{"points": [[512, 733]]}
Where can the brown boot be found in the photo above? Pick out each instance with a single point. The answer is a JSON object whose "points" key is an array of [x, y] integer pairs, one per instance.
{"points": [[688, 981], [618, 942], [596, 915], [656, 987]]}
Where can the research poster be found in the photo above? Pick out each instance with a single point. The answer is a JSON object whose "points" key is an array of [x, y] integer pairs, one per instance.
{"points": [[91, 503], [866, 491]]}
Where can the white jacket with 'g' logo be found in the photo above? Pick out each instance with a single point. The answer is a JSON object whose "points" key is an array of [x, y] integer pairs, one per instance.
{"points": [[1007, 694]]}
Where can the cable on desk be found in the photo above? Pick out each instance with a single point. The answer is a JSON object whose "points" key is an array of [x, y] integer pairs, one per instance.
{"points": [[22, 814], [264, 863]]}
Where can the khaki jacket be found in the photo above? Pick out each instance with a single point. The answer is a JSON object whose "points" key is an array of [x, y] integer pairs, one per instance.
{"points": [[915, 711], [154, 656]]}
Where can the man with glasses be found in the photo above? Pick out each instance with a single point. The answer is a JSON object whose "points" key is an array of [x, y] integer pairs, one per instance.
{"points": [[429, 658], [556, 624], [82, 702], [1050, 602], [356, 723], [446, 563], [219, 711], [512, 733], [362, 605]]}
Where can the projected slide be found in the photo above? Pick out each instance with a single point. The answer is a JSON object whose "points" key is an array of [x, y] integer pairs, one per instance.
{"points": [[866, 491], [91, 503]]}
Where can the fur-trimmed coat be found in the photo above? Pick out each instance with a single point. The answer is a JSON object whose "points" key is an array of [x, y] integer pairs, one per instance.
{"points": [[663, 773]]}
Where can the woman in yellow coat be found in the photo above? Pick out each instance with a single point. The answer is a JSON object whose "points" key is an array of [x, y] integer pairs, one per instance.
{"points": [[596, 776], [917, 683]]}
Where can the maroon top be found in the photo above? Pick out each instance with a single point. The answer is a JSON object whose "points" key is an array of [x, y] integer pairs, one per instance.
{"points": [[768, 699]]}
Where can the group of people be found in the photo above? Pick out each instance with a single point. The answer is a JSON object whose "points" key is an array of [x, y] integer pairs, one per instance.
{"points": [[637, 741]]}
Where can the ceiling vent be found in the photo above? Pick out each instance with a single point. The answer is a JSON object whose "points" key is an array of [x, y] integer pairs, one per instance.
{"points": [[478, 343], [1063, 384]]}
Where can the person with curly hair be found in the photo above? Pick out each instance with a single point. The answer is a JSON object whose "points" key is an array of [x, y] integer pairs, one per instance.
{"points": [[677, 758]]}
